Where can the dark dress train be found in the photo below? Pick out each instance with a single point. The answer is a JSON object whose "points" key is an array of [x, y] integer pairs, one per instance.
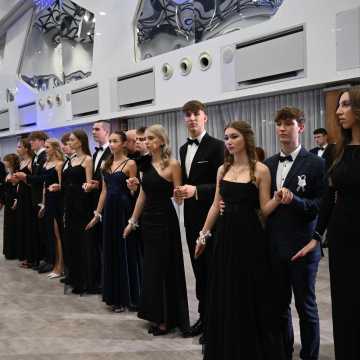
{"points": [[10, 242], [53, 211], [122, 257], [340, 214], [242, 322], [23, 218], [78, 213], [164, 296]]}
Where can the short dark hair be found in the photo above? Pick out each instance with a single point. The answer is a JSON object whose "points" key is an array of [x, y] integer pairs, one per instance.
{"points": [[193, 106], [106, 125], [65, 138], [38, 135], [320, 131], [141, 130], [290, 113]]}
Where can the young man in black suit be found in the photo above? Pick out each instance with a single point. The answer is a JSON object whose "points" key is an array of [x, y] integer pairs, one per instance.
{"points": [[299, 176], [101, 132], [41, 249], [323, 148], [200, 158]]}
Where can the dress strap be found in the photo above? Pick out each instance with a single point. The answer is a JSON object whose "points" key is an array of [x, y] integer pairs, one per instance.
{"points": [[122, 165]]}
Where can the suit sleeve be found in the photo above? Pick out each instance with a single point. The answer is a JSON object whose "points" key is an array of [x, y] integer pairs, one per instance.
{"points": [[206, 192], [309, 207]]}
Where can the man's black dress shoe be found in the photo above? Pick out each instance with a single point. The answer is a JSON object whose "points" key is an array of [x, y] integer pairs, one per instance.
{"points": [[45, 269], [194, 330]]}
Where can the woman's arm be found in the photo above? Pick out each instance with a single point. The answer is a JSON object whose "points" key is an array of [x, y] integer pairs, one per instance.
{"points": [[88, 165], [211, 216], [176, 178], [99, 208], [267, 205]]}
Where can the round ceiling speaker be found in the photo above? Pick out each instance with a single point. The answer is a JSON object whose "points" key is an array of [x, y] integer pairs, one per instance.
{"points": [[205, 61], [167, 71], [228, 55], [185, 66]]}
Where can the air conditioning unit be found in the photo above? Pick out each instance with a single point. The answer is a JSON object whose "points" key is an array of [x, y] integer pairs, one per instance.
{"points": [[85, 101]]}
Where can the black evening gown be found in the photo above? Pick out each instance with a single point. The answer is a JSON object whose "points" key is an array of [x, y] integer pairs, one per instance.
{"points": [[53, 211], [10, 241], [241, 322], [23, 218], [340, 213], [78, 213], [122, 257], [164, 296]]}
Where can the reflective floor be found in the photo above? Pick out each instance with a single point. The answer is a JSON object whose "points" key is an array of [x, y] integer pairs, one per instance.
{"points": [[38, 322]]}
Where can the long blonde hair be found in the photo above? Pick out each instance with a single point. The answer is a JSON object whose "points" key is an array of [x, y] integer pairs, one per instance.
{"points": [[165, 151], [56, 145]]}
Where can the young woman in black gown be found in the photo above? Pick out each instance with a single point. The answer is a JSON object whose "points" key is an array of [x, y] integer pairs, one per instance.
{"points": [[23, 214], [122, 271], [53, 205], [339, 213], [77, 207], [10, 245], [242, 322], [164, 297]]}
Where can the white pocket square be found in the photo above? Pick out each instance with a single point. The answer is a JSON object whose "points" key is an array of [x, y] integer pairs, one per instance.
{"points": [[202, 162]]}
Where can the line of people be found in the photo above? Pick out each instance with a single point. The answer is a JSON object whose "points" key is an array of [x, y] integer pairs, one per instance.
{"points": [[253, 229]]}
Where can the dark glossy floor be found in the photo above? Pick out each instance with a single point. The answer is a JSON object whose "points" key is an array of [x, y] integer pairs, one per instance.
{"points": [[39, 322]]}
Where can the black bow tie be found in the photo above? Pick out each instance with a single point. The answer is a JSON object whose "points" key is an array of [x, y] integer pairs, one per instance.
{"points": [[193, 141], [286, 158], [321, 148], [99, 148]]}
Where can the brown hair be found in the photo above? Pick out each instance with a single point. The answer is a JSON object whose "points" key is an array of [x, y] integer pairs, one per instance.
{"points": [[247, 132], [65, 138], [109, 161], [289, 113], [141, 130], [26, 145], [55, 144], [193, 106], [13, 160], [346, 134], [160, 132], [260, 154], [83, 138], [38, 135]]}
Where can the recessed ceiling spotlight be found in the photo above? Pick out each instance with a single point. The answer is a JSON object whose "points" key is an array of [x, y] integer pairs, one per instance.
{"points": [[102, 13]]}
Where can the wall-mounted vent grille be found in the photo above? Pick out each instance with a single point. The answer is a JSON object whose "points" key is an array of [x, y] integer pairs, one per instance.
{"points": [[27, 114], [85, 101], [136, 89], [4, 120], [270, 59]]}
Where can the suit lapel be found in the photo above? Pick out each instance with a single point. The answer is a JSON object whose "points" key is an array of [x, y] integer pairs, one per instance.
{"points": [[183, 151], [199, 153], [295, 168], [273, 170], [103, 157]]}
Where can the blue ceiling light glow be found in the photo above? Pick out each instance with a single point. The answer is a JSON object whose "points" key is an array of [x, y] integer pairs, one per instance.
{"points": [[43, 4]]}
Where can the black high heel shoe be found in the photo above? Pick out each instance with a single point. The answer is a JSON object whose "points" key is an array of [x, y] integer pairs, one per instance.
{"points": [[158, 332], [151, 329]]}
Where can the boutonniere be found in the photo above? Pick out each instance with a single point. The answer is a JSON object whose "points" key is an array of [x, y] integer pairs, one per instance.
{"points": [[301, 183]]}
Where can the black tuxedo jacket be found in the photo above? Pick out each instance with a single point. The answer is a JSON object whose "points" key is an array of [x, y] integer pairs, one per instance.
{"points": [[328, 154], [2, 181], [36, 179], [209, 156], [290, 227]]}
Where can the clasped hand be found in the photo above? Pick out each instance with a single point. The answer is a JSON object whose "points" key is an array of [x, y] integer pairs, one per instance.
{"points": [[184, 192]]}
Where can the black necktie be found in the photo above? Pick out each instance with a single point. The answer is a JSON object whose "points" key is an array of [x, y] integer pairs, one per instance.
{"points": [[284, 158], [99, 148], [193, 141]]}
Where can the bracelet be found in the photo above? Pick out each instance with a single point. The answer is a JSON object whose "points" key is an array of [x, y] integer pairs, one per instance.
{"points": [[203, 236], [134, 224], [97, 215]]}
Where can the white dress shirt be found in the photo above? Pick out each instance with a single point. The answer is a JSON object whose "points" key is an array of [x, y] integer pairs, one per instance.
{"points": [[99, 155], [68, 161], [191, 151], [321, 151], [284, 168]]}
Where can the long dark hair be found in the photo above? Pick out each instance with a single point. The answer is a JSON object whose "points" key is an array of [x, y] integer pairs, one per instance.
{"points": [[25, 143], [346, 134], [247, 132], [109, 161], [13, 160], [83, 138]]}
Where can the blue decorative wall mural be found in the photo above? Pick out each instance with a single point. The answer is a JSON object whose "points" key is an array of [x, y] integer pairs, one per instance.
{"points": [[165, 25]]}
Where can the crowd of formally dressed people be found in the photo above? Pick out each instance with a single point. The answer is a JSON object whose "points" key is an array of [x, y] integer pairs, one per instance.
{"points": [[107, 224]]}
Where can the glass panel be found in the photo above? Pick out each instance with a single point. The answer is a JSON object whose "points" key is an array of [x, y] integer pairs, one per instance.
{"points": [[59, 46], [166, 25]]}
